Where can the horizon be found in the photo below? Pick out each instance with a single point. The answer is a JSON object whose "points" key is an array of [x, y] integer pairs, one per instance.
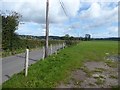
{"points": [[70, 36]]}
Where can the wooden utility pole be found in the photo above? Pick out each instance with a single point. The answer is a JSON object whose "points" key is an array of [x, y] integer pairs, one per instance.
{"points": [[47, 28]]}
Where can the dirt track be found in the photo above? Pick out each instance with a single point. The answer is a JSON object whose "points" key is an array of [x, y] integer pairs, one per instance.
{"points": [[94, 75]]}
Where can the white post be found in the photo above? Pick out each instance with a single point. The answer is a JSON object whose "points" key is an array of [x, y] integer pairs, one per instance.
{"points": [[51, 49], [59, 46], [43, 53], [56, 49], [63, 45], [26, 62]]}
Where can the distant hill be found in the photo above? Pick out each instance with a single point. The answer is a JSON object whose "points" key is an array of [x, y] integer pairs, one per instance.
{"points": [[62, 38], [110, 38], [39, 37]]}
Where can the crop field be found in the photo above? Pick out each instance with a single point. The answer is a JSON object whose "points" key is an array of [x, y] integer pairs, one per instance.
{"points": [[56, 70]]}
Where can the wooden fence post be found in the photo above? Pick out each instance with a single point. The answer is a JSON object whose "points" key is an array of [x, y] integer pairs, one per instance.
{"points": [[43, 53], [59, 46], [63, 45], [56, 49], [51, 49], [26, 62]]}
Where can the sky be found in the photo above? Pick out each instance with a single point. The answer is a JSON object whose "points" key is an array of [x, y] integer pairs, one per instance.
{"points": [[99, 18]]}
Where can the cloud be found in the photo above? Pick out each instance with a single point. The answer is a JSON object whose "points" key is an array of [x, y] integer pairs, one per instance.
{"points": [[34, 10], [31, 29], [93, 12], [97, 15], [113, 29], [98, 11]]}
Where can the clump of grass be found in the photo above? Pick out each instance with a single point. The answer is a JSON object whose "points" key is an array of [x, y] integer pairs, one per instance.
{"points": [[66, 80], [111, 64], [116, 87], [86, 70], [113, 77], [100, 81], [78, 82], [91, 84], [99, 77], [99, 70]]}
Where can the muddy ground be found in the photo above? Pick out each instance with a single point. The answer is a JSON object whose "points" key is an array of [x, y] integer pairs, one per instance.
{"points": [[102, 74]]}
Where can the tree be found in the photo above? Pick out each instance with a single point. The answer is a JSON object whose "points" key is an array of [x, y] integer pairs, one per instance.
{"points": [[9, 25], [87, 37], [67, 37], [72, 38]]}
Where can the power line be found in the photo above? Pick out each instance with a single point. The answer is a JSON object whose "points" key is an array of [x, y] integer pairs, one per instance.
{"points": [[63, 7]]}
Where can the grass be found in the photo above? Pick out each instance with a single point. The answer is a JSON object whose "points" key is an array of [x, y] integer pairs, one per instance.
{"points": [[0, 54], [86, 70], [6, 53], [17, 51], [113, 77], [91, 84], [100, 81], [112, 64], [56, 68], [99, 70]]}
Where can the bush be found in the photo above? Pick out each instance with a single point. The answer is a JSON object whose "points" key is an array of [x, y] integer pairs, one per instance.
{"points": [[71, 42], [19, 45]]}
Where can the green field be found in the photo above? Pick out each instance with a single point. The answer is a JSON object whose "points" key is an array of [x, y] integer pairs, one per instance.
{"points": [[56, 68]]}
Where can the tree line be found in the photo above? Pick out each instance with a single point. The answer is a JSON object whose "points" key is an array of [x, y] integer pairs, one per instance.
{"points": [[11, 41]]}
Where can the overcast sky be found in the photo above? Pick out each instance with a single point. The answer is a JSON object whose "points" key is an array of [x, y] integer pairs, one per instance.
{"points": [[100, 19]]}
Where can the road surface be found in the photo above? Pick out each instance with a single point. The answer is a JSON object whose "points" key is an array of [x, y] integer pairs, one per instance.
{"points": [[14, 64]]}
